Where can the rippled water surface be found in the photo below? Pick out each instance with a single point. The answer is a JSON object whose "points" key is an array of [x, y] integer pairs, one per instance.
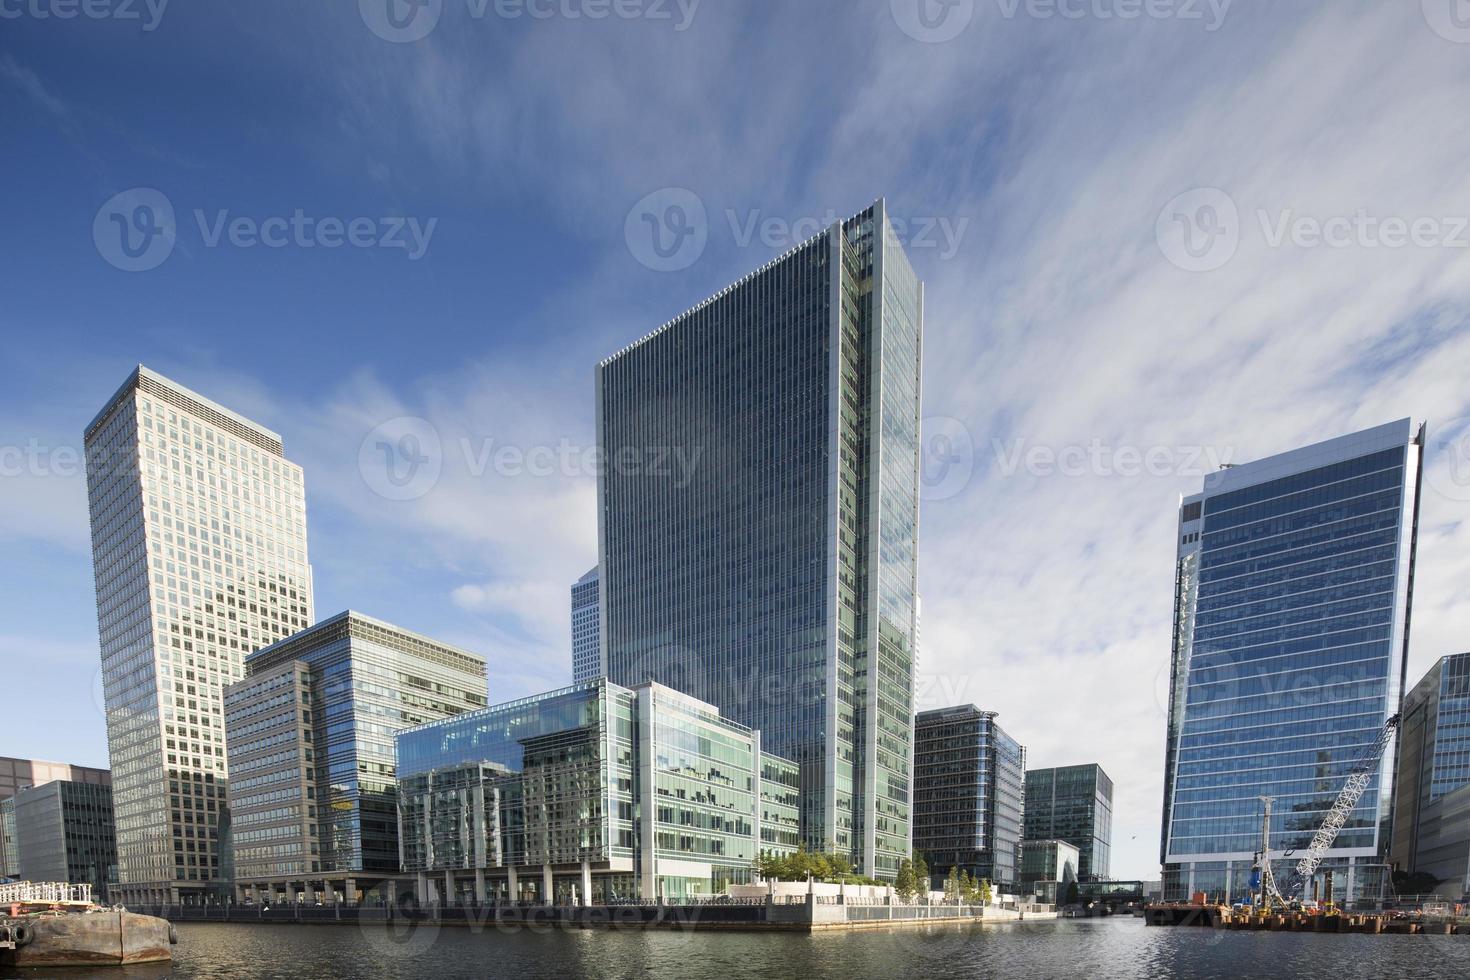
{"points": [[1105, 948]]}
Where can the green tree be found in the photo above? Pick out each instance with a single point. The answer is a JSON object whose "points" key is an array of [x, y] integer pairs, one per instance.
{"points": [[1414, 883], [922, 882], [903, 883], [984, 893]]}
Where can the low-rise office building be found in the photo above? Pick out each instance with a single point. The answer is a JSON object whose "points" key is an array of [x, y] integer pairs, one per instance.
{"points": [[1431, 833], [313, 782], [590, 794], [63, 831], [18, 774], [969, 780], [1074, 804], [1048, 860]]}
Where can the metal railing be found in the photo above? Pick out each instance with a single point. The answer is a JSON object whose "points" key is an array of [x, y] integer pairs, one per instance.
{"points": [[45, 893]]}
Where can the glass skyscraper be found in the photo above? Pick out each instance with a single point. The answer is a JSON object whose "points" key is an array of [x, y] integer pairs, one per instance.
{"points": [[1434, 760], [199, 554], [1073, 804], [1292, 603], [969, 795], [758, 520], [586, 644]]}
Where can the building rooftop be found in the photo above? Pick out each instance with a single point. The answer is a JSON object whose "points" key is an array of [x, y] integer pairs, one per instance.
{"points": [[1312, 457], [147, 380], [286, 649], [955, 711], [878, 204]]}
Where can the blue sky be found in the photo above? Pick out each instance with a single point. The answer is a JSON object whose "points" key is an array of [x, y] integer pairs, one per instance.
{"points": [[1042, 163]]}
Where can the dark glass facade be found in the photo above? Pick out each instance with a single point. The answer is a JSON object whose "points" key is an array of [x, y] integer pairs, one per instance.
{"points": [[1073, 804], [64, 832], [773, 573], [1434, 754], [1292, 607], [969, 784], [19, 774]]}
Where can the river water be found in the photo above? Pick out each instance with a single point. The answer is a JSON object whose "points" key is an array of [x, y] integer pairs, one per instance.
{"points": [[1082, 949]]}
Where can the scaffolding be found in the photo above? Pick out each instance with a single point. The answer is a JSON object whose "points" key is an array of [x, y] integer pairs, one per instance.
{"points": [[44, 893]]}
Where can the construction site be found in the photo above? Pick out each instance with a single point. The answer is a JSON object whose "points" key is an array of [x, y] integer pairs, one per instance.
{"points": [[1303, 901]]}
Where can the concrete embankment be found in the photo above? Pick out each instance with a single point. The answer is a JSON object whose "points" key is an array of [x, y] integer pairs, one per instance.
{"points": [[752, 916]]}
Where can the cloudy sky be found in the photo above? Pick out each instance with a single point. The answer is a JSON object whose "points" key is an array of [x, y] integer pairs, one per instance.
{"points": [[1155, 237]]}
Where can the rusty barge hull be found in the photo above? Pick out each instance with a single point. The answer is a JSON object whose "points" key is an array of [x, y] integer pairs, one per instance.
{"points": [[89, 939]]}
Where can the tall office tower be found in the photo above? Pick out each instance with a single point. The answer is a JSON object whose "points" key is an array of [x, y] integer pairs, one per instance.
{"points": [[1292, 597], [758, 520], [1073, 804], [199, 553], [314, 795], [1431, 827], [969, 794], [586, 645]]}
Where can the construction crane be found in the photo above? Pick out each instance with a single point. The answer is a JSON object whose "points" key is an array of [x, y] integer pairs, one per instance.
{"points": [[1358, 780]]}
